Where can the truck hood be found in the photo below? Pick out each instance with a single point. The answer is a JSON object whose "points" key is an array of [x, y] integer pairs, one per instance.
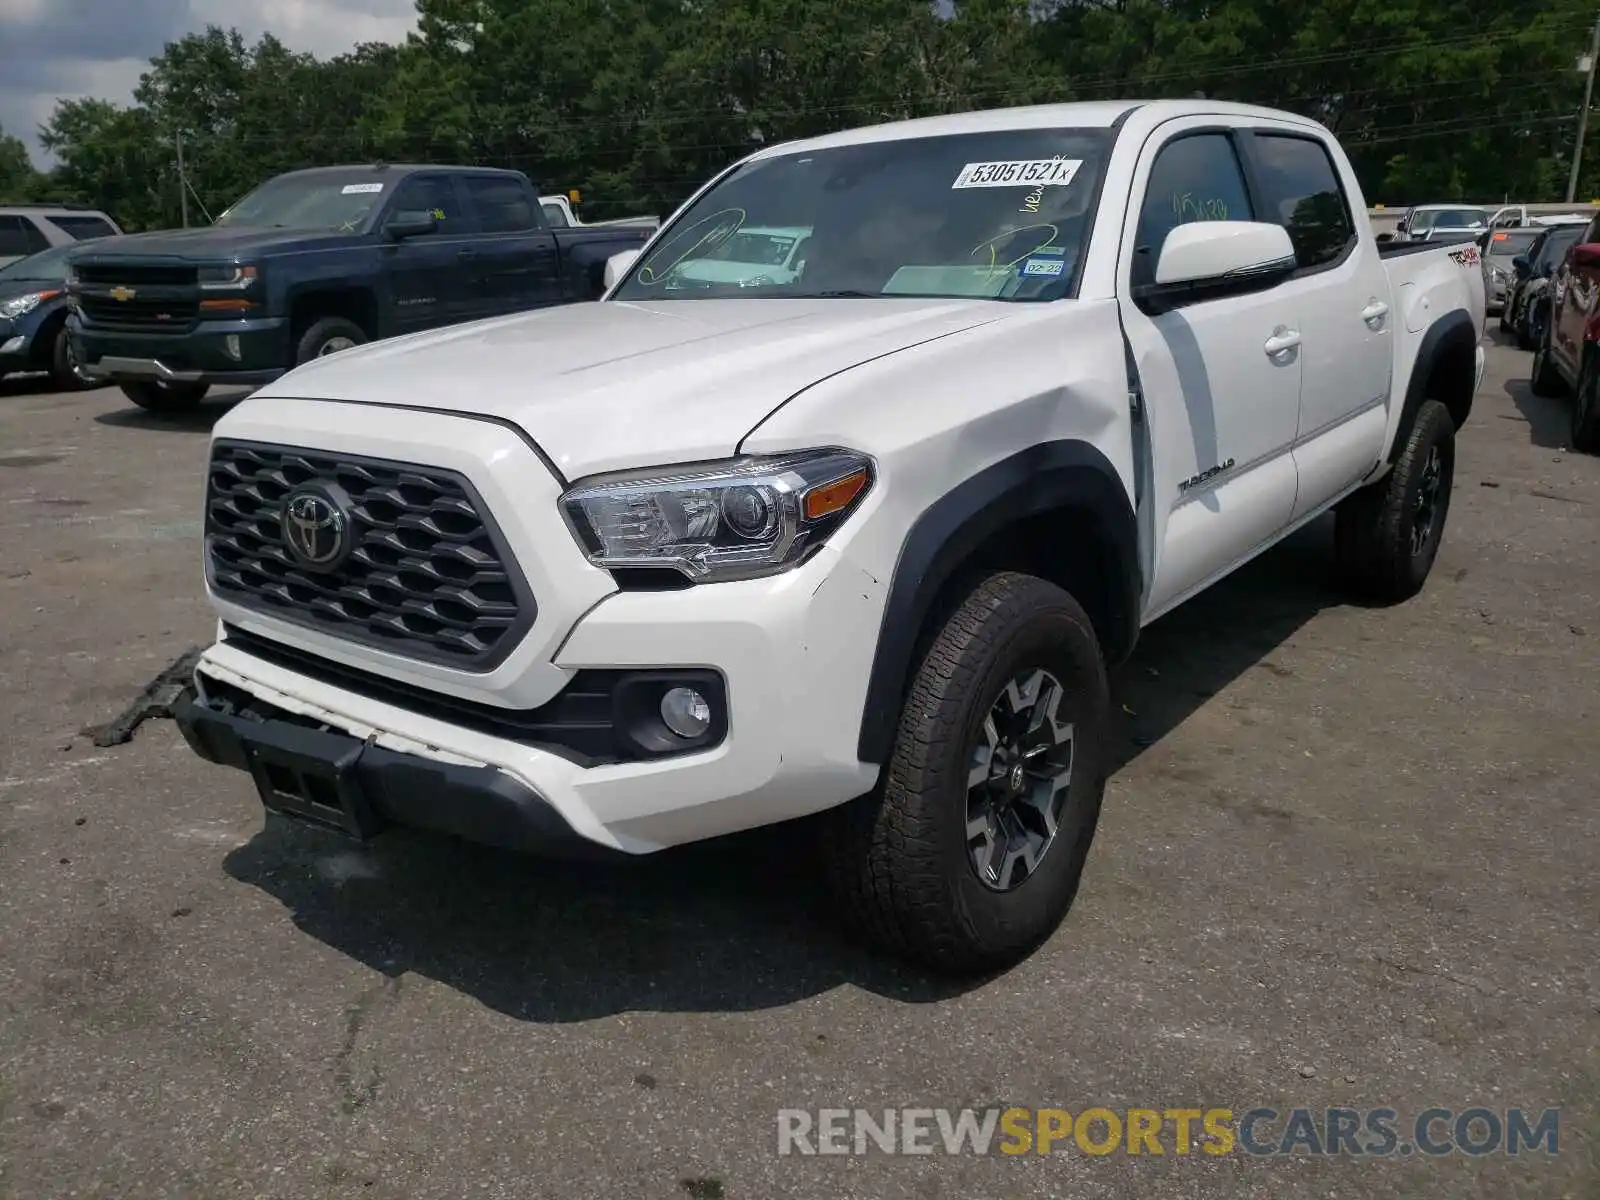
{"points": [[609, 385], [210, 244]]}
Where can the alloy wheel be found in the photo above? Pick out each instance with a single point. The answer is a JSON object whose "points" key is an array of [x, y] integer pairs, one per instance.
{"points": [[1018, 777], [1426, 509]]}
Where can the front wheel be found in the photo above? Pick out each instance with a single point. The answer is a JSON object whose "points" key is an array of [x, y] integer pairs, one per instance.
{"points": [[968, 854], [66, 373], [328, 336], [1387, 535], [164, 399]]}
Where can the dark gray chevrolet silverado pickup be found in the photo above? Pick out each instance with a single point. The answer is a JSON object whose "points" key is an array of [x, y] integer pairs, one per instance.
{"points": [[313, 262]]}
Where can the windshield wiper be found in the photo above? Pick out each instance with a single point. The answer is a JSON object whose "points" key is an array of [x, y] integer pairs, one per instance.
{"points": [[835, 294]]}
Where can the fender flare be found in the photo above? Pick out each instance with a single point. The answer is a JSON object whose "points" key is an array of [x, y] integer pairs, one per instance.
{"points": [[1451, 334], [1051, 475]]}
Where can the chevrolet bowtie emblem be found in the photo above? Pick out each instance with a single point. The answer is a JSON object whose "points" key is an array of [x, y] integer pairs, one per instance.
{"points": [[123, 293]]}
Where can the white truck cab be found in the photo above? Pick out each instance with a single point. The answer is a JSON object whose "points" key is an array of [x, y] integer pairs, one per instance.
{"points": [[860, 543]]}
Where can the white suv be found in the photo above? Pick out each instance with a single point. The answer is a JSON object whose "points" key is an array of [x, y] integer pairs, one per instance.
{"points": [[29, 229], [859, 542]]}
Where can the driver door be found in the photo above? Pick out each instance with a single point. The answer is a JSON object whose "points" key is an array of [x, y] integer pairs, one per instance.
{"points": [[1220, 377], [430, 275]]}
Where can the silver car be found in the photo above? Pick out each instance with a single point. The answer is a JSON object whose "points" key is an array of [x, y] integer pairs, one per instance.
{"points": [[1500, 247]]}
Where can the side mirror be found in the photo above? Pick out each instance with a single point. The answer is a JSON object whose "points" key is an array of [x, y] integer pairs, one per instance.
{"points": [[1586, 255], [1519, 264], [1383, 239], [410, 223], [1213, 258], [617, 266]]}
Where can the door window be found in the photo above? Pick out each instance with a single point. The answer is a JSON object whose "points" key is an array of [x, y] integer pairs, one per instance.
{"points": [[1301, 192], [1194, 178], [434, 194], [84, 229], [502, 204]]}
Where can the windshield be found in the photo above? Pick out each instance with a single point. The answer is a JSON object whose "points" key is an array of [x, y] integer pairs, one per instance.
{"points": [[48, 266], [1000, 215], [1452, 218], [343, 200], [1511, 242]]}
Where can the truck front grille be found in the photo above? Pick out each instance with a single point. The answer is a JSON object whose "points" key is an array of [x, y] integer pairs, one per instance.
{"points": [[424, 571], [137, 274], [167, 315]]}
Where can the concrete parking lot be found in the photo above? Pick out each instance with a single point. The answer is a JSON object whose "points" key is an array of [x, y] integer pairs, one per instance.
{"points": [[1349, 858]]}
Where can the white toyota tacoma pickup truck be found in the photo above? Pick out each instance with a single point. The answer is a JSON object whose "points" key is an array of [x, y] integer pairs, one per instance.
{"points": [[860, 543]]}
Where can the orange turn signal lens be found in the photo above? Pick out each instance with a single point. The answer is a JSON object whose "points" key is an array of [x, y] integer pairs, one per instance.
{"points": [[232, 304], [829, 498]]}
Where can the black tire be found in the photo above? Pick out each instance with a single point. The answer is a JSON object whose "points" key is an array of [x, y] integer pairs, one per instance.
{"points": [[1586, 407], [1543, 378], [898, 858], [328, 336], [1383, 550], [164, 399], [64, 364], [1522, 328]]}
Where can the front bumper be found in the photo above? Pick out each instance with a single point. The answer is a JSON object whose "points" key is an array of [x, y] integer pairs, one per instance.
{"points": [[331, 779], [222, 353]]}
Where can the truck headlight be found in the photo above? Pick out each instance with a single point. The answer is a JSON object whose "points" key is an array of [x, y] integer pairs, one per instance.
{"points": [[716, 521], [224, 277], [20, 305]]}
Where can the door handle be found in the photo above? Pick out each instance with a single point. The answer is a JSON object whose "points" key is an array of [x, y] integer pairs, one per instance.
{"points": [[1374, 313], [1282, 339]]}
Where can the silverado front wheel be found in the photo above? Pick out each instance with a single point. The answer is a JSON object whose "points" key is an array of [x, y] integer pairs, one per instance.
{"points": [[1387, 535], [328, 336], [968, 854], [164, 399]]}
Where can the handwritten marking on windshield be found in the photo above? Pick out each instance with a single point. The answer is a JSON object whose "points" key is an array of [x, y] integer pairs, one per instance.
{"points": [[732, 218]]}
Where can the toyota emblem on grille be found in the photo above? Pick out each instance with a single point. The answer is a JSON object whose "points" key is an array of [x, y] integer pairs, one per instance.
{"points": [[316, 528]]}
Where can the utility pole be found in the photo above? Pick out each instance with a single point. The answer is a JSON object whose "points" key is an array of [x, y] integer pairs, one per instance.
{"points": [[183, 180], [1583, 113]]}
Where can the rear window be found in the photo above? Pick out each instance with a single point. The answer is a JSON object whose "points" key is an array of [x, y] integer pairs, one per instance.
{"points": [[84, 229], [1508, 242], [1303, 195], [502, 204]]}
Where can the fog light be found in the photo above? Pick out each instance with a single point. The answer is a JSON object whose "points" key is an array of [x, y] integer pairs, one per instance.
{"points": [[686, 712], [232, 344]]}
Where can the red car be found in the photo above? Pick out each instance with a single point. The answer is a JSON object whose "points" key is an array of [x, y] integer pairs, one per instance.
{"points": [[1568, 356]]}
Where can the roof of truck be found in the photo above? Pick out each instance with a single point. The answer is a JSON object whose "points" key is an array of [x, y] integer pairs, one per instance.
{"points": [[381, 168], [1091, 114]]}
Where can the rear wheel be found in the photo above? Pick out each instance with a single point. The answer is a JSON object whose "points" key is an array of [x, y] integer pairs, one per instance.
{"points": [[1586, 407], [1543, 377], [968, 854], [164, 399], [1388, 534]]}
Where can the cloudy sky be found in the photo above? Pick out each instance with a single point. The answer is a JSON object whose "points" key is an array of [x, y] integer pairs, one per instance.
{"points": [[69, 48]]}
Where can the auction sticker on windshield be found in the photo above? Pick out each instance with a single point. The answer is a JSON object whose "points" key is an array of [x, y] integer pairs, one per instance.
{"points": [[361, 189], [1025, 172]]}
